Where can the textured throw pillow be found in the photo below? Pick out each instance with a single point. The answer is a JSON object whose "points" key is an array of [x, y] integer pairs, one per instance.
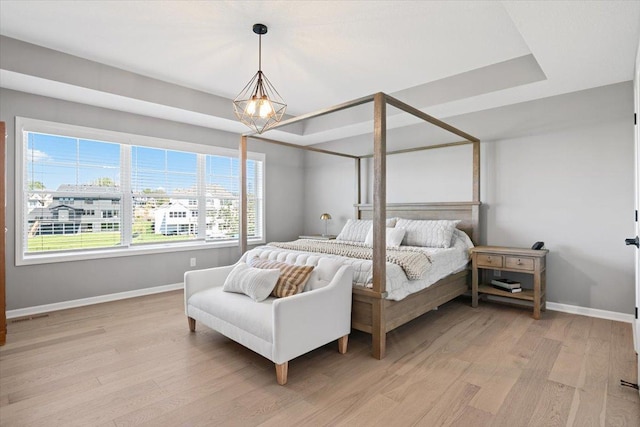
{"points": [[394, 237], [292, 277], [462, 237], [253, 282], [355, 230], [428, 233]]}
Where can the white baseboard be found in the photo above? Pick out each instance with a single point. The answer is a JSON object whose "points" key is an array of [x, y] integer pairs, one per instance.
{"points": [[30, 311], [39, 309], [572, 309], [591, 312]]}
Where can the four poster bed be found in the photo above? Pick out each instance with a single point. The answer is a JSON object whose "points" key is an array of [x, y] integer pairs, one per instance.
{"points": [[372, 310]]}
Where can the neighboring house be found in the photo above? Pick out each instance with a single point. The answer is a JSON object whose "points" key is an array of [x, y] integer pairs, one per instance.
{"points": [[180, 216], [38, 200], [175, 218], [69, 211]]}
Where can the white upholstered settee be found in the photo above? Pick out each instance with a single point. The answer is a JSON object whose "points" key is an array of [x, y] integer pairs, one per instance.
{"points": [[279, 329]]}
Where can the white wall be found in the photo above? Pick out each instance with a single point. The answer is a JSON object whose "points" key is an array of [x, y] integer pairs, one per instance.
{"points": [[411, 178], [558, 170], [436, 175], [329, 186]]}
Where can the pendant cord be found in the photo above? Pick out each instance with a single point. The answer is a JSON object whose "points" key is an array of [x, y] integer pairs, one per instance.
{"points": [[260, 52]]}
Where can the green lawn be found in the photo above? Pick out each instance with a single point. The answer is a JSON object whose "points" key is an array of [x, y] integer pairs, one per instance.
{"points": [[145, 238], [90, 240]]}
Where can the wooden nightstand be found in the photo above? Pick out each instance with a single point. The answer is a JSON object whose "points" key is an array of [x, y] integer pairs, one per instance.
{"points": [[317, 237], [518, 260]]}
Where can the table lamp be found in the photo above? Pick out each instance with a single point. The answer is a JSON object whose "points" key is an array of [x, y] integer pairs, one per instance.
{"points": [[325, 217]]}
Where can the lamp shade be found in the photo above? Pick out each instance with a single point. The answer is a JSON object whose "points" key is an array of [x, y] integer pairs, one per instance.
{"points": [[259, 105], [325, 217]]}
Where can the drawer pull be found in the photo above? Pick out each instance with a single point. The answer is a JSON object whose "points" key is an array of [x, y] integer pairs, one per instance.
{"points": [[491, 261]]}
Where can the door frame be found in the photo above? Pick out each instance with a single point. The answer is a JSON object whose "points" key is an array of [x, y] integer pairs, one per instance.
{"points": [[636, 133]]}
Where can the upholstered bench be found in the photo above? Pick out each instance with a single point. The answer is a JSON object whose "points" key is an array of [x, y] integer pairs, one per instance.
{"points": [[279, 329]]}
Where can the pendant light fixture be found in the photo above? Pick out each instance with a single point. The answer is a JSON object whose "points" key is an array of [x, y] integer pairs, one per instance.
{"points": [[259, 104]]}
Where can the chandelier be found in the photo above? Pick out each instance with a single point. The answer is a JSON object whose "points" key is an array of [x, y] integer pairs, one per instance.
{"points": [[259, 105]]}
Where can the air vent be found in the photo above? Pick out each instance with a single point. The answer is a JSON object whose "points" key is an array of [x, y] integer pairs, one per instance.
{"points": [[24, 319]]}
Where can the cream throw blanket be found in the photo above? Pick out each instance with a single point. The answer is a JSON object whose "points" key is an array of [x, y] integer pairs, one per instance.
{"points": [[413, 262]]}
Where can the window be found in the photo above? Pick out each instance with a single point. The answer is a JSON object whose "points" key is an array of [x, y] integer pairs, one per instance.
{"points": [[222, 188], [109, 214], [88, 193]]}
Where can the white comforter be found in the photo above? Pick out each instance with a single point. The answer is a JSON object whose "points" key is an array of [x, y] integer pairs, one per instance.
{"points": [[443, 263]]}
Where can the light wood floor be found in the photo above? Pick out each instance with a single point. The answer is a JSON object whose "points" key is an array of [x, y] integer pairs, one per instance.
{"points": [[135, 362]]}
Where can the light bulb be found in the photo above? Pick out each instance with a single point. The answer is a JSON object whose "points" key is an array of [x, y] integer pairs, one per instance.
{"points": [[251, 106], [266, 109]]}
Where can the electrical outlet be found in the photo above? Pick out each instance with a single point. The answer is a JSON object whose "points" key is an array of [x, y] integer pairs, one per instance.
{"points": [[192, 262], [496, 273]]}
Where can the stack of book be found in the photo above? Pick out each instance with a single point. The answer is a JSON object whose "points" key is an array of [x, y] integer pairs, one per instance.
{"points": [[506, 285]]}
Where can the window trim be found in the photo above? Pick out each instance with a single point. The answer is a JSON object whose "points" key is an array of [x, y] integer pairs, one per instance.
{"points": [[41, 126]]}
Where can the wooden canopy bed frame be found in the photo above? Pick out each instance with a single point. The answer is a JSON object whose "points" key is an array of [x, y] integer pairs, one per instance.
{"points": [[371, 311]]}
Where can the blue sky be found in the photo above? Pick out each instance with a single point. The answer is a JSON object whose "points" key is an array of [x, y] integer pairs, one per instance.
{"points": [[55, 160]]}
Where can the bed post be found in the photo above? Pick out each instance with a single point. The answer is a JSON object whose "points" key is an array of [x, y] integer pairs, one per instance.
{"points": [[475, 215], [476, 171], [358, 187], [242, 227], [379, 222]]}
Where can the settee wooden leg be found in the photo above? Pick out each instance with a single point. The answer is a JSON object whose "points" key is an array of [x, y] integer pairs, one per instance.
{"points": [[192, 324], [342, 344], [282, 369]]}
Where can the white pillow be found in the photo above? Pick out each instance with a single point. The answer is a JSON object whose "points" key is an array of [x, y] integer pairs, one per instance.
{"points": [[463, 238], [256, 283], [394, 237], [429, 233], [355, 230]]}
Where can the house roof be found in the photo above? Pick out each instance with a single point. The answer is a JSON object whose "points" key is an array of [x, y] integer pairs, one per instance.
{"points": [[86, 188]]}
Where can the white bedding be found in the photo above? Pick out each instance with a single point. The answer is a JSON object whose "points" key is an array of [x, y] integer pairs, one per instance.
{"points": [[443, 263]]}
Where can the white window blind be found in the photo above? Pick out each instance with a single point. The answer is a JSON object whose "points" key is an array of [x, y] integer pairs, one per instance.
{"points": [[163, 184], [83, 196], [223, 198], [255, 199], [65, 176]]}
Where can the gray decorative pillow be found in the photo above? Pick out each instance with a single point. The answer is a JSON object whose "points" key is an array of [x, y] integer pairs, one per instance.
{"points": [[256, 283], [428, 233]]}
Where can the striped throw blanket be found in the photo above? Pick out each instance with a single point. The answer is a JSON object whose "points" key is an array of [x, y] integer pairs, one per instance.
{"points": [[413, 262]]}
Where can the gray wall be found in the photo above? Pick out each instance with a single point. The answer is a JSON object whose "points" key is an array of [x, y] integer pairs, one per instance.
{"points": [[34, 285], [558, 170], [572, 189]]}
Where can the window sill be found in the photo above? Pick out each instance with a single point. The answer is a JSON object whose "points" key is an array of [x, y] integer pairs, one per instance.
{"points": [[127, 251]]}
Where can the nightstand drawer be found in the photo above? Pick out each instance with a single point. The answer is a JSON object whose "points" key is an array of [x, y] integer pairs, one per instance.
{"points": [[490, 260], [519, 263]]}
